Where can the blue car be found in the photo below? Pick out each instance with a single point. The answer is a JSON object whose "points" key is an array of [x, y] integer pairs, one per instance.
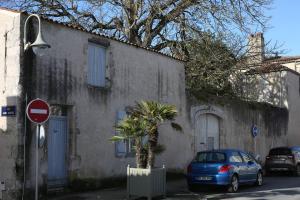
{"points": [[227, 167]]}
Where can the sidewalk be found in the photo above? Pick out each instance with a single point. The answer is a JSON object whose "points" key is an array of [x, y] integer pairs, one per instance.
{"points": [[176, 189]]}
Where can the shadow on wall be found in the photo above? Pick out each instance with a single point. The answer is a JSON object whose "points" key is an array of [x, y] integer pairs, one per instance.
{"points": [[270, 88]]}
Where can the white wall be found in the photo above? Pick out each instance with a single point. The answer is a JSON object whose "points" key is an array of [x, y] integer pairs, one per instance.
{"points": [[293, 83], [293, 65], [9, 91], [267, 87], [136, 74], [236, 119], [280, 89]]}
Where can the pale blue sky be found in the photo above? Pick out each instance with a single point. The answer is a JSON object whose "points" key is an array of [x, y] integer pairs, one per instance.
{"points": [[285, 25]]}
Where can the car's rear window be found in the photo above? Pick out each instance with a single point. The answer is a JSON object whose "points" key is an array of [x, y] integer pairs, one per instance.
{"points": [[296, 149], [280, 151], [210, 157]]}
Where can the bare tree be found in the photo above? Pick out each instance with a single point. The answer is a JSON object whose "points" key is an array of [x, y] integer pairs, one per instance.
{"points": [[158, 24]]}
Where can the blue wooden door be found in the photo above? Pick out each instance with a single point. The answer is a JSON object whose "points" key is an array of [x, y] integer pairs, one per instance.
{"points": [[57, 151]]}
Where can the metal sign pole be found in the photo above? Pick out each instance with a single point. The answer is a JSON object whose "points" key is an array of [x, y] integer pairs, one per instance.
{"points": [[37, 161], [37, 111]]}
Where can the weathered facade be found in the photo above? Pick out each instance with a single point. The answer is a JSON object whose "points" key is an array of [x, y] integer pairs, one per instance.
{"points": [[10, 132], [275, 81], [84, 109], [132, 74], [89, 80], [231, 123]]}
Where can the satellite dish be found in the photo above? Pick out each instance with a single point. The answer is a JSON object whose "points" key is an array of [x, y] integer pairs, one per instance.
{"points": [[42, 136]]}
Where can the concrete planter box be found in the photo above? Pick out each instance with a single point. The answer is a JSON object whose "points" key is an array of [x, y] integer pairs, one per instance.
{"points": [[146, 182]]}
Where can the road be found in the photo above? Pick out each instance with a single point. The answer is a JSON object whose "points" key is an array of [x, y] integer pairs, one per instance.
{"points": [[277, 187]]}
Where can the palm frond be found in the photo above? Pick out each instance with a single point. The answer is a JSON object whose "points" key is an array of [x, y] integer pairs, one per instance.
{"points": [[117, 138], [176, 126]]}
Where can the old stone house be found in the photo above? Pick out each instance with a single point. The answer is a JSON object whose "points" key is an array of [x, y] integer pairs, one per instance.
{"points": [[275, 81], [89, 79]]}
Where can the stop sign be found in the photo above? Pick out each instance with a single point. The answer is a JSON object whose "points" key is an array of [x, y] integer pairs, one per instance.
{"points": [[38, 111]]}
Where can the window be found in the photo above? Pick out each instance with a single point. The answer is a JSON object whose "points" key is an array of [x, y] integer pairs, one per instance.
{"points": [[235, 157], [126, 147], [96, 74], [210, 157], [280, 151], [247, 158]]}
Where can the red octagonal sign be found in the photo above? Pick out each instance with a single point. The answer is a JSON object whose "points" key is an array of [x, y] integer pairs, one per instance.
{"points": [[38, 111]]}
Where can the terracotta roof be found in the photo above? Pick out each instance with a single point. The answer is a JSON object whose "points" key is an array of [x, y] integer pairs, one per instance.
{"points": [[98, 34], [274, 65], [267, 68], [270, 67], [283, 59]]}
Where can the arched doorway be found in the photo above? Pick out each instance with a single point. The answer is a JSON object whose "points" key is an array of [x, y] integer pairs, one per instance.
{"points": [[207, 132]]}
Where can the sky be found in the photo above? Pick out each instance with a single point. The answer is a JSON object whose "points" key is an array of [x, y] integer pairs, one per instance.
{"points": [[285, 26]]}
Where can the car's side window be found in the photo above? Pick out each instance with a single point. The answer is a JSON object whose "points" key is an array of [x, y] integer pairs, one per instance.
{"points": [[247, 158], [235, 157]]}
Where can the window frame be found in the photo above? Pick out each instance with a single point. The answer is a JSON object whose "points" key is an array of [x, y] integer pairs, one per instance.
{"points": [[210, 154], [104, 44], [238, 154], [129, 143], [250, 158]]}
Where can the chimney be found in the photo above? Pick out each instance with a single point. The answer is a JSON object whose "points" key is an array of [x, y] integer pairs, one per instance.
{"points": [[256, 49]]}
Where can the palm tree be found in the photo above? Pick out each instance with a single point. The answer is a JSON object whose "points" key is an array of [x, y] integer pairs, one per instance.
{"points": [[142, 123], [133, 128], [154, 114]]}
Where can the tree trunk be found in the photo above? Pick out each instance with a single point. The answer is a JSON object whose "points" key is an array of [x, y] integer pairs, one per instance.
{"points": [[150, 160], [152, 144], [138, 153], [144, 157]]}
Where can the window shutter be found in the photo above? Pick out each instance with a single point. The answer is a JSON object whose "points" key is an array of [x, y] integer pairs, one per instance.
{"points": [[96, 65], [120, 146]]}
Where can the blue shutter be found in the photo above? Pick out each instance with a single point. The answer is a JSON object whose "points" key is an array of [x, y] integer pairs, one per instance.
{"points": [[96, 65], [121, 145]]}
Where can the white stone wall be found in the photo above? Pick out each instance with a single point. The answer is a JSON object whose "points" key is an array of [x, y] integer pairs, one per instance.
{"points": [[293, 83], [293, 65], [280, 89], [135, 74], [267, 87], [236, 119], [9, 91]]}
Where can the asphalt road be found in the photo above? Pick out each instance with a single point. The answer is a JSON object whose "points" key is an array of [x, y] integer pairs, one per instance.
{"points": [[279, 187]]}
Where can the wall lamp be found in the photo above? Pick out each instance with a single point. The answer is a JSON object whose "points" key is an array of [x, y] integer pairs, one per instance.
{"points": [[39, 45]]}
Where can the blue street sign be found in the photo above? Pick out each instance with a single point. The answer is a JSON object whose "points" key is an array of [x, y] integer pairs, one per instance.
{"points": [[254, 130], [8, 111]]}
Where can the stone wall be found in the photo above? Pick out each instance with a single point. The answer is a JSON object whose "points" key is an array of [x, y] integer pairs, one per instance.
{"points": [[237, 119], [293, 83], [134, 74], [10, 139]]}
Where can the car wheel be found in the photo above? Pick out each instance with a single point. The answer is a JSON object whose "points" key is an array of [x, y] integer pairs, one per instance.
{"points": [[259, 179], [234, 184]]}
